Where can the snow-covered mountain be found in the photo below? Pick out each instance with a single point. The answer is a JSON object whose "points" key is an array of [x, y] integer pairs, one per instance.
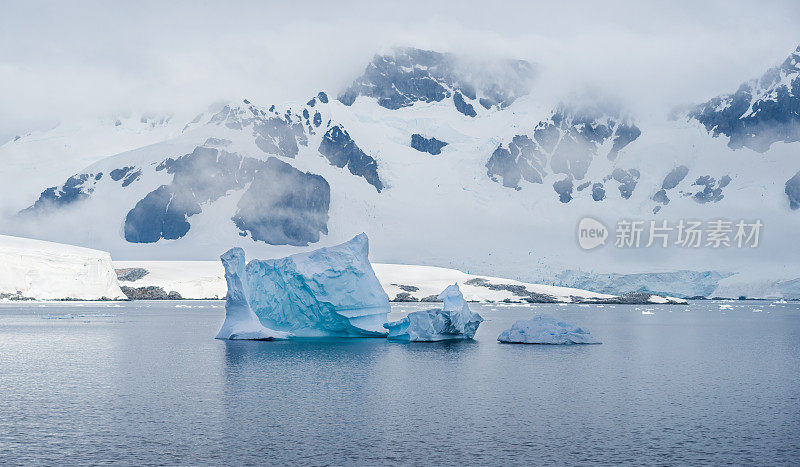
{"points": [[441, 165], [46, 157], [761, 112]]}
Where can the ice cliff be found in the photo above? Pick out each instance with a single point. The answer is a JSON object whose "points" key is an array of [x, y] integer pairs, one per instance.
{"points": [[34, 269], [240, 321], [453, 322], [326, 292], [544, 329]]}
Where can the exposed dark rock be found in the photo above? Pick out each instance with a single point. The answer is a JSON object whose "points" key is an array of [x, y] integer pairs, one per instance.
{"points": [[431, 298], [792, 191], [404, 297], [284, 206], [132, 177], [598, 192], [522, 160], [341, 151], [627, 180], [76, 188], [564, 189], [118, 174], [761, 112], [462, 106], [274, 134], [200, 177], [131, 274], [569, 141], [517, 290], [675, 176], [661, 197], [631, 298], [15, 297], [712, 190], [408, 288], [430, 145], [626, 133], [412, 75], [150, 292], [281, 205]]}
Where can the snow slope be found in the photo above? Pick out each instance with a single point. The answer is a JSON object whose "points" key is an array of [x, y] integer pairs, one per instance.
{"points": [[191, 279], [46, 157], [206, 279], [502, 198], [51, 271]]}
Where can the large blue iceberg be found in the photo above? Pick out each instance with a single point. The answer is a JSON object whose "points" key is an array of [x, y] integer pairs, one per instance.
{"points": [[545, 329], [240, 321], [454, 321], [327, 292]]}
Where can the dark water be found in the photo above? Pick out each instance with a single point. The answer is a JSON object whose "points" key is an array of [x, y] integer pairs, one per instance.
{"points": [[145, 383]]}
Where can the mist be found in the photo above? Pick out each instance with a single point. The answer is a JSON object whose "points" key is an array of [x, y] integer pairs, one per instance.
{"points": [[62, 61]]}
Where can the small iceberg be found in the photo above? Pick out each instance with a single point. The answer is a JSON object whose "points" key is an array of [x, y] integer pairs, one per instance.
{"points": [[326, 292], [455, 321], [545, 329], [240, 321]]}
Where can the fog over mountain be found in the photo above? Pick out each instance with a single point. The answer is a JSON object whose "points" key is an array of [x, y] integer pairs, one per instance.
{"points": [[59, 61], [176, 131]]}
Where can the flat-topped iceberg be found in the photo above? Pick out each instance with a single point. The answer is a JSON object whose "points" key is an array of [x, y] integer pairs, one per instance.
{"points": [[326, 292], [240, 321], [454, 321], [545, 329]]}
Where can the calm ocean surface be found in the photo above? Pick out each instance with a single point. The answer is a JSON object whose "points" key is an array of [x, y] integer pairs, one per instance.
{"points": [[145, 383]]}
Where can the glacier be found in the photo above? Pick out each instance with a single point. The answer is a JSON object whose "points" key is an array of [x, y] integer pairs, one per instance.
{"points": [[240, 321], [680, 283], [557, 151], [35, 269], [454, 321], [544, 329], [331, 291]]}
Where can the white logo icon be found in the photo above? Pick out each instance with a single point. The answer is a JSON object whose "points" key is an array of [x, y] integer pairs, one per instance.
{"points": [[591, 233]]}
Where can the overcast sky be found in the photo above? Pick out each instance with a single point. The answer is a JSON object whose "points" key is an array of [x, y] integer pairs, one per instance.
{"points": [[65, 59]]}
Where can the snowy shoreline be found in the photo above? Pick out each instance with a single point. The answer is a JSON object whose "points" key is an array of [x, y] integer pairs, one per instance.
{"points": [[39, 270], [205, 280]]}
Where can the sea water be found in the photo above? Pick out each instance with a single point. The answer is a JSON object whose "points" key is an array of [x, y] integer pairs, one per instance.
{"points": [[146, 383]]}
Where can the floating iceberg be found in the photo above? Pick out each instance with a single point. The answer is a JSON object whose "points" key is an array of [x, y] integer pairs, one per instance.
{"points": [[327, 292], [240, 321], [454, 321], [544, 329]]}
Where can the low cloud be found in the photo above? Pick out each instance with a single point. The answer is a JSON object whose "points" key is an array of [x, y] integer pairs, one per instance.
{"points": [[60, 61]]}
